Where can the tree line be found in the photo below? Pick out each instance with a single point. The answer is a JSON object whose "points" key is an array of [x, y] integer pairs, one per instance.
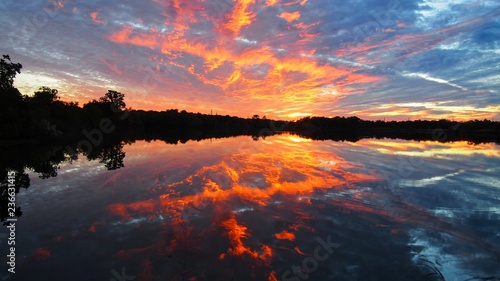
{"points": [[42, 116], [354, 129]]}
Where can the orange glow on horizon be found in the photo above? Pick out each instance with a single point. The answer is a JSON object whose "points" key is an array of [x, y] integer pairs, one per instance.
{"points": [[429, 148]]}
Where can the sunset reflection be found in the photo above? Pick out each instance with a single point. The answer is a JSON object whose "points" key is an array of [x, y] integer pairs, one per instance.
{"points": [[245, 182], [283, 179], [246, 209], [247, 179], [430, 148]]}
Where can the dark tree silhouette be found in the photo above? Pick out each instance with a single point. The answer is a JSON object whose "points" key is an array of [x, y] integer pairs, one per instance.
{"points": [[45, 95], [12, 110], [22, 180], [111, 156], [46, 169], [114, 97], [8, 71]]}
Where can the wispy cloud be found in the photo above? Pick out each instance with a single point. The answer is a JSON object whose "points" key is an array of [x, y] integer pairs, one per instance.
{"points": [[433, 79]]}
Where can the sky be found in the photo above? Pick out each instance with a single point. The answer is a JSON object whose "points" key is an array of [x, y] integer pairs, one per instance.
{"points": [[283, 59]]}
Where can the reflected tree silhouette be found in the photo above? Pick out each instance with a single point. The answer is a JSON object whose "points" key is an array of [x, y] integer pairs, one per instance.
{"points": [[46, 169], [22, 180], [111, 156], [42, 160], [45, 162]]}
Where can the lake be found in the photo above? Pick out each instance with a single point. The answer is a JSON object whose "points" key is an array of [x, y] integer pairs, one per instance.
{"points": [[280, 208]]}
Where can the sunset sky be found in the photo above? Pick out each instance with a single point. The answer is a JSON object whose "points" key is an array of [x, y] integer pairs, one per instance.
{"points": [[376, 59]]}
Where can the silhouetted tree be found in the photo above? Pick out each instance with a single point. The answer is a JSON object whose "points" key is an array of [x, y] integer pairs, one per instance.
{"points": [[114, 97], [8, 71], [45, 95], [12, 111]]}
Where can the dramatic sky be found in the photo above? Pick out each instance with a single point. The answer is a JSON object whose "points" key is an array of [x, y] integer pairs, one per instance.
{"points": [[281, 58]]}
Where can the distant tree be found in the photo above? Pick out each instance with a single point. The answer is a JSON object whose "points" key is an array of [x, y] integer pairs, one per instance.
{"points": [[71, 104], [114, 97], [256, 116], [8, 71], [46, 95]]}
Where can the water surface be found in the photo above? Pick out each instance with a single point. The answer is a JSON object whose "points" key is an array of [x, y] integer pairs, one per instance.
{"points": [[283, 208]]}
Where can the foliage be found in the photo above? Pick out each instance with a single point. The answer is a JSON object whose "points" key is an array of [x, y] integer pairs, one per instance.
{"points": [[115, 98], [45, 95], [8, 71]]}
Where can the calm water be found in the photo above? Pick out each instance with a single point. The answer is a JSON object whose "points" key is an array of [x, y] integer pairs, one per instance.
{"points": [[283, 208]]}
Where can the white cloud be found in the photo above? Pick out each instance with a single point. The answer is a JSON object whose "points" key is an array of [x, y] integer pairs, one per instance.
{"points": [[434, 79]]}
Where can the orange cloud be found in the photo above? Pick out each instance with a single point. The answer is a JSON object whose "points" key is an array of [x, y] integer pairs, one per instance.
{"points": [[95, 18], [271, 2], [240, 17], [431, 111], [126, 36], [225, 64], [289, 17], [291, 79]]}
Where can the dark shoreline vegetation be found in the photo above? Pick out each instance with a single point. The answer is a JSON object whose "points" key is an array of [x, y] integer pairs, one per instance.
{"points": [[39, 132]]}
